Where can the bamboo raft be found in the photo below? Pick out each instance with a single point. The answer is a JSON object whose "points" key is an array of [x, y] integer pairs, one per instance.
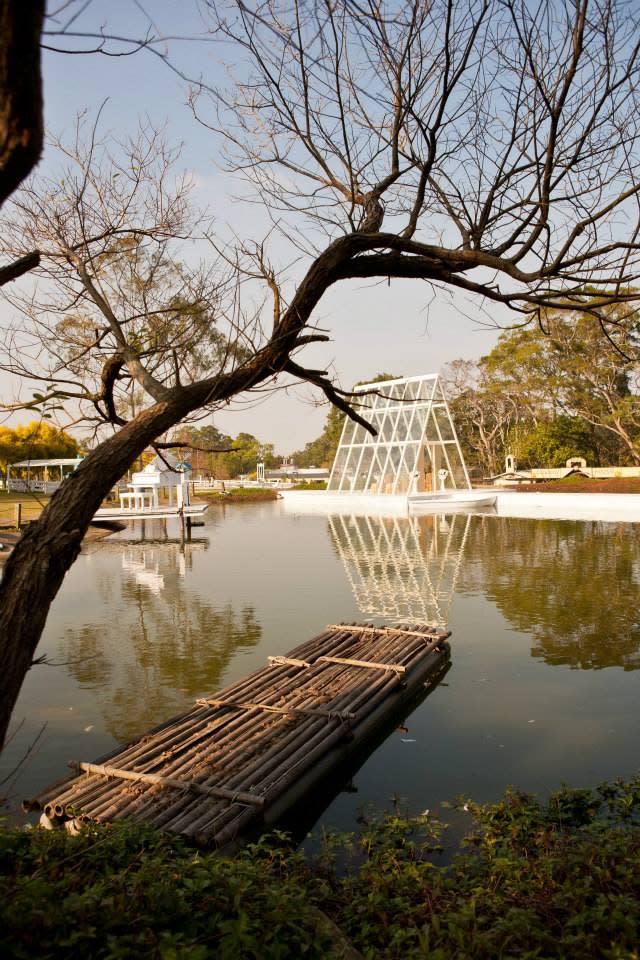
{"points": [[243, 758]]}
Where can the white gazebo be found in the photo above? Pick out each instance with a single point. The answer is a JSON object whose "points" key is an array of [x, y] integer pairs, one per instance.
{"points": [[39, 476], [416, 448], [166, 476]]}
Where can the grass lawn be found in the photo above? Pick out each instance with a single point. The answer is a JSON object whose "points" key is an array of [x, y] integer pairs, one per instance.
{"points": [[32, 505]]}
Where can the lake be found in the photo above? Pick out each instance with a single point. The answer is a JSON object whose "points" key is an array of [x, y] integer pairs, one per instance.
{"points": [[543, 687]]}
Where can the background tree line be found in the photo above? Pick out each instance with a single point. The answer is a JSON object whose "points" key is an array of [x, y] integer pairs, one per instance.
{"points": [[213, 453], [549, 393]]}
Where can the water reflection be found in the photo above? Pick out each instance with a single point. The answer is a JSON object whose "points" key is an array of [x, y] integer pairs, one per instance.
{"points": [[163, 645], [404, 568], [150, 626], [573, 586]]}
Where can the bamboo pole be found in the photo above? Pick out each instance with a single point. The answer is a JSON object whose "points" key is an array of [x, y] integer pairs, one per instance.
{"points": [[403, 631], [370, 665], [287, 662], [286, 711]]}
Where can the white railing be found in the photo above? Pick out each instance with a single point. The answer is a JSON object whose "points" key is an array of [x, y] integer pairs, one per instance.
{"points": [[17, 485], [220, 485]]}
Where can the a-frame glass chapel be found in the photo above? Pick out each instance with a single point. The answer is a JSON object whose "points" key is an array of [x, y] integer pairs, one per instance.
{"points": [[416, 449]]}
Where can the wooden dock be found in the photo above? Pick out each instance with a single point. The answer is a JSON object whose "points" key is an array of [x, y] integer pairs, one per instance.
{"points": [[243, 758], [164, 512]]}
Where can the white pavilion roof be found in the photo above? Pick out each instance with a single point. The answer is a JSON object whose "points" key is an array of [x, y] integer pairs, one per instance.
{"points": [[64, 462]]}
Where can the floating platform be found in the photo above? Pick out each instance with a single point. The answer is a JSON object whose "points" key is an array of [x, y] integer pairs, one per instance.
{"points": [[387, 505], [152, 513], [241, 759]]}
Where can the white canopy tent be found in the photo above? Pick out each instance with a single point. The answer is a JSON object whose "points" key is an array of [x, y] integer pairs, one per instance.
{"points": [[416, 448]]}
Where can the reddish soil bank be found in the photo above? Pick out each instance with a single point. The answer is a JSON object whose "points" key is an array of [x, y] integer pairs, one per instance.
{"points": [[582, 485]]}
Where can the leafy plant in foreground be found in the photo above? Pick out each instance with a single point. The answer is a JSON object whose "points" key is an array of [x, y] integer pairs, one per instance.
{"points": [[531, 880]]}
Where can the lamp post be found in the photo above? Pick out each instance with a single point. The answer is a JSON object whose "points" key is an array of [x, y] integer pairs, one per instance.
{"points": [[260, 477]]}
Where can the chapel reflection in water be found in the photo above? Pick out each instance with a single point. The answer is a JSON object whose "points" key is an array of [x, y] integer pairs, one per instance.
{"points": [[570, 586], [403, 568]]}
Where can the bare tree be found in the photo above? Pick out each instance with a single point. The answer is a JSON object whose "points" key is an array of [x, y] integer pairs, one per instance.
{"points": [[487, 146], [113, 310], [486, 414]]}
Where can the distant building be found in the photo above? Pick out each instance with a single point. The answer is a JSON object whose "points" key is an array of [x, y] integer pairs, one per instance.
{"points": [[574, 466], [40, 476], [295, 474]]}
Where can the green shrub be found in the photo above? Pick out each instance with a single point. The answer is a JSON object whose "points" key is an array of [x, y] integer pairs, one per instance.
{"points": [[531, 880], [242, 495], [129, 891]]}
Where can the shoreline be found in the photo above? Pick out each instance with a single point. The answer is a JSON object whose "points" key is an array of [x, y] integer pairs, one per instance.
{"points": [[97, 531]]}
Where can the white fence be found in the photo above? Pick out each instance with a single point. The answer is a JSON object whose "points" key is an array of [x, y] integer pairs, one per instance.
{"points": [[221, 485], [17, 485]]}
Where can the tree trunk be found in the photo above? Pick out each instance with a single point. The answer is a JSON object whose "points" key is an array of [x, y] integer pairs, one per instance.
{"points": [[20, 91]]}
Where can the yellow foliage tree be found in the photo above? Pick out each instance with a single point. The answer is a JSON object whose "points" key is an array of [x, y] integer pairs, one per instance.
{"points": [[36, 440]]}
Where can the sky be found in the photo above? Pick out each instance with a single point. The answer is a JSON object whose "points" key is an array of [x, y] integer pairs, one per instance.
{"points": [[398, 328]]}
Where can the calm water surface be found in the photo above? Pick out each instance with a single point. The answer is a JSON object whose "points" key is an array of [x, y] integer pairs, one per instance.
{"points": [[544, 683]]}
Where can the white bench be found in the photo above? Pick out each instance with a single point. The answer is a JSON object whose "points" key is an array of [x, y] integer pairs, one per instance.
{"points": [[136, 500]]}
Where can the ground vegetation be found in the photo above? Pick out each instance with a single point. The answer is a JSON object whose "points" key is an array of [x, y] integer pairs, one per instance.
{"points": [[549, 879], [240, 495]]}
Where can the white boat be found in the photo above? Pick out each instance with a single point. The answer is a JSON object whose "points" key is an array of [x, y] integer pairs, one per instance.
{"points": [[449, 501]]}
